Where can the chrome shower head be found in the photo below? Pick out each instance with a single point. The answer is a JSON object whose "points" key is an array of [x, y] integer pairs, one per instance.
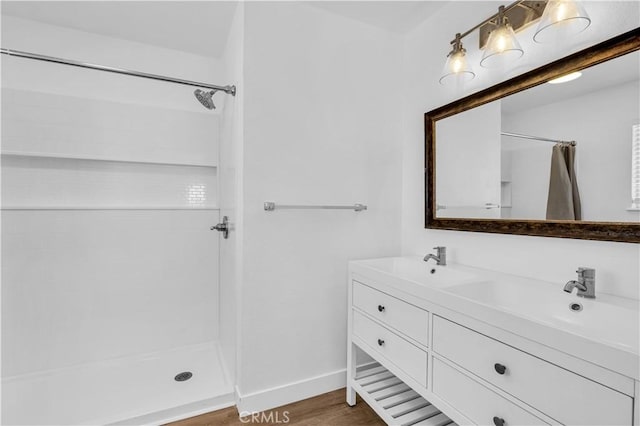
{"points": [[205, 98]]}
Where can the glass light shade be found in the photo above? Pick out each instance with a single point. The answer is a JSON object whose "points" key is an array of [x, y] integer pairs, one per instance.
{"points": [[561, 19], [502, 48], [456, 69]]}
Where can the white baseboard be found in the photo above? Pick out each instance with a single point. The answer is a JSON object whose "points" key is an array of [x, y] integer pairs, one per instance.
{"points": [[292, 392]]}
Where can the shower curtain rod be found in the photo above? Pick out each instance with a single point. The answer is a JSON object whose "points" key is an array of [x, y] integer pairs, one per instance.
{"points": [[227, 89], [536, 138]]}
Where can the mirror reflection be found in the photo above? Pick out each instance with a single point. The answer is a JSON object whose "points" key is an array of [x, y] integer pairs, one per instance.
{"points": [[563, 150]]}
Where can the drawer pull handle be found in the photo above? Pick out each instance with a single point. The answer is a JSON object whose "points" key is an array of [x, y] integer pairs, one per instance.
{"points": [[498, 421], [380, 308], [500, 369], [380, 342]]}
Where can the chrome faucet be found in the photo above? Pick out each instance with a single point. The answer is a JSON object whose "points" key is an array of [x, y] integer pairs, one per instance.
{"points": [[440, 257], [586, 283]]}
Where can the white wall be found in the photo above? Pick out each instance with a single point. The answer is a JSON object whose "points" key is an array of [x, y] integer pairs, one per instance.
{"points": [[529, 170], [468, 159], [231, 148], [546, 258], [601, 123], [322, 126], [88, 285]]}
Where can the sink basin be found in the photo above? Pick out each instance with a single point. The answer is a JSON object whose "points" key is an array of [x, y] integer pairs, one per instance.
{"points": [[416, 270], [606, 318]]}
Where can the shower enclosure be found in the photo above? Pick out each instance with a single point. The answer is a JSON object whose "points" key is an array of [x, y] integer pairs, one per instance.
{"points": [[110, 269]]}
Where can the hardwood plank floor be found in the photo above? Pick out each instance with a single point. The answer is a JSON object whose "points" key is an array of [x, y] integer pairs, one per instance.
{"points": [[329, 409]]}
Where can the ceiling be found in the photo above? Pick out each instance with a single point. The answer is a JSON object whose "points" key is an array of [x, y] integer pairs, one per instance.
{"points": [[200, 27], [619, 71], [397, 16], [611, 73]]}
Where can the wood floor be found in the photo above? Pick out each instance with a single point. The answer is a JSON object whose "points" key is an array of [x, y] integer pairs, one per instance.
{"points": [[329, 409]]}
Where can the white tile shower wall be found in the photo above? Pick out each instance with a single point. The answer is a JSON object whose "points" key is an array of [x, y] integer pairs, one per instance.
{"points": [[84, 286], [37, 37], [321, 127], [551, 259], [74, 293], [39, 122], [56, 182]]}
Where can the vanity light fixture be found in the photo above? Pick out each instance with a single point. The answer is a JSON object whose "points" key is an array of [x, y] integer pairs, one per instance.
{"points": [[497, 34], [502, 46], [566, 78], [457, 67], [561, 19]]}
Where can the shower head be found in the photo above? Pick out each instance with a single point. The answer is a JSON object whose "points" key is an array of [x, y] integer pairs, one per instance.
{"points": [[205, 98]]}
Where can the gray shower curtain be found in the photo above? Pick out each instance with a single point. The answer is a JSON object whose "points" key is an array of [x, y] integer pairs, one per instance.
{"points": [[563, 202]]}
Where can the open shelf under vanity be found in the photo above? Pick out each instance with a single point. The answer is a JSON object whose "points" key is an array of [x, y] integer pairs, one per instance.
{"points": [[394, 401]]}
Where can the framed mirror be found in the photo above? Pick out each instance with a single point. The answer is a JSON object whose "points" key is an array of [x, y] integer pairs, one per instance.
{"points": [[538, 156]]}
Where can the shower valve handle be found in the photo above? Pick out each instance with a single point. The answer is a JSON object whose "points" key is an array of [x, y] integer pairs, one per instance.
{"points": [[222, 227]]}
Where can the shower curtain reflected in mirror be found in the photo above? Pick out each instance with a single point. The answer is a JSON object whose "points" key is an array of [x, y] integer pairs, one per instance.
{"points": [[563, 201]]}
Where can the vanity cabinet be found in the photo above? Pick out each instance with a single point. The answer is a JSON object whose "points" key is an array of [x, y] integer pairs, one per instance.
{"points": [[565, 396], [448, 367], [407, 357], [481, 405], [394, 313]]}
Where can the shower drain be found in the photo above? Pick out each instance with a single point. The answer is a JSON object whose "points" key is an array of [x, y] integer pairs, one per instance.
{"points": [[181, 377]]}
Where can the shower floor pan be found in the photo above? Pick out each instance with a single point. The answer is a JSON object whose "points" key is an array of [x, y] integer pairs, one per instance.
{"points": [[126, 391]]}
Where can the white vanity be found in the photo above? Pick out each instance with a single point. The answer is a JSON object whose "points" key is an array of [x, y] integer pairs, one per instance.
{"points": [[471, 346]]}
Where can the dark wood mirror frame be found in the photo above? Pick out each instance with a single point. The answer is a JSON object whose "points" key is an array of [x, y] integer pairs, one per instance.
{"points": [[604, 231]]}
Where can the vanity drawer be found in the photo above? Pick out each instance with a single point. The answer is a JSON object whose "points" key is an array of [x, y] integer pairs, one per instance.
{"points": [[559, 393], [404, 355], [478, 403], [402, 316]]}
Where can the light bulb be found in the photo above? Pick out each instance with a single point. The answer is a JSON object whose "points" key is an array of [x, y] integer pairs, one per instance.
{"points": [[457, 62], [560, 12], [501, 41]]}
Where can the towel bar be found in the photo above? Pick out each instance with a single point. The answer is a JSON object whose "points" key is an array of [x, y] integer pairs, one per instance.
{"points": [[270, 206]]}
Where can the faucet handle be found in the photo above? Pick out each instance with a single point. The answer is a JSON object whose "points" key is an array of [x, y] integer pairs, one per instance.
{"points": [[584, 272]]}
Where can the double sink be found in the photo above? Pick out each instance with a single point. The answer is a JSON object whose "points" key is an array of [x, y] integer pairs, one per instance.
{"points": [[604, 330]]}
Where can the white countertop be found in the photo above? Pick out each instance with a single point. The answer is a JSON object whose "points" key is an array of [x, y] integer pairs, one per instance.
{"points": [[606, 332]]}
